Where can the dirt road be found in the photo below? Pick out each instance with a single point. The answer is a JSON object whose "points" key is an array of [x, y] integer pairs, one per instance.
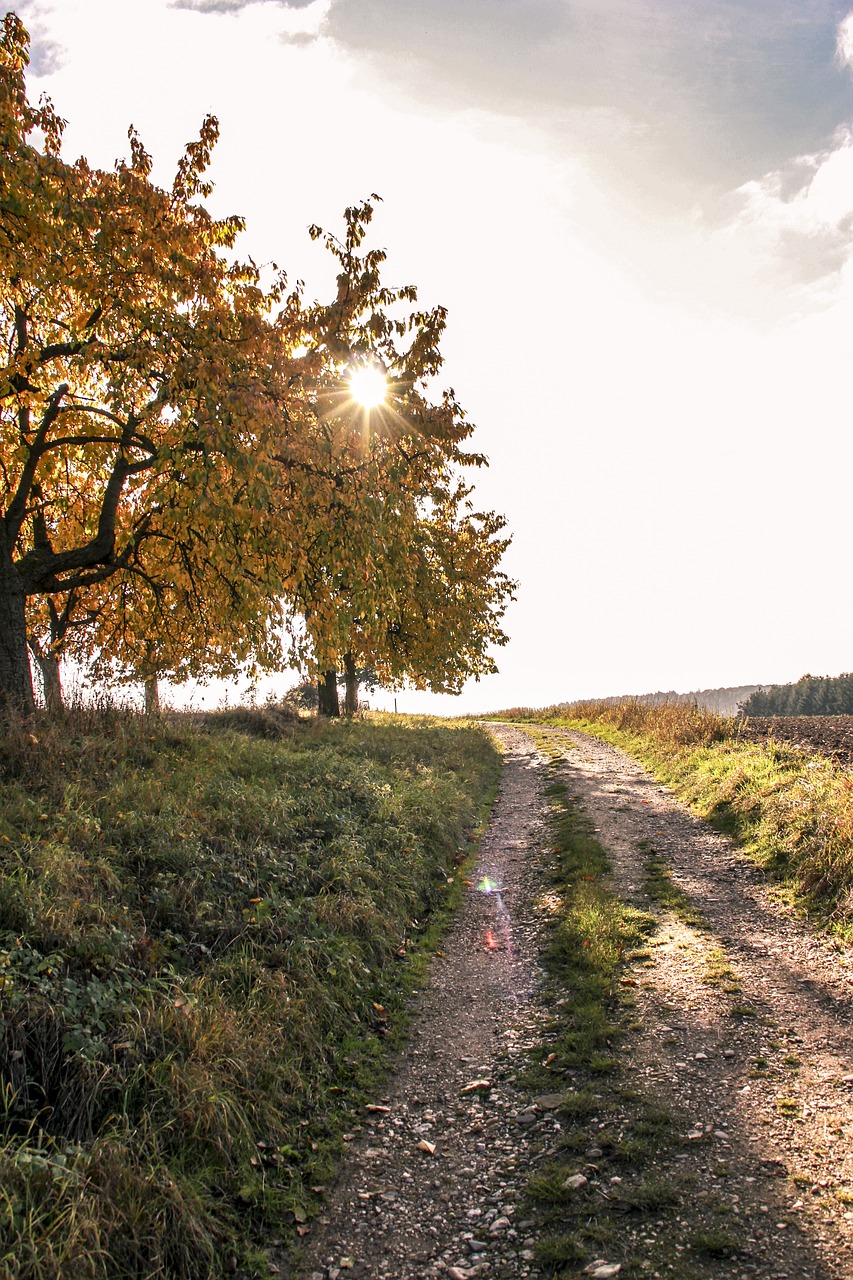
{"points": [[438, 1167], [740, 1031]]}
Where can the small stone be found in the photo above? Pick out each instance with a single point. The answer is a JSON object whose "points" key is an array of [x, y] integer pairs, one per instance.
{"points": [[594, 1153], [499, 1224], [548, 1101], [476, 1246], [575, 1182], [700, 1057]]}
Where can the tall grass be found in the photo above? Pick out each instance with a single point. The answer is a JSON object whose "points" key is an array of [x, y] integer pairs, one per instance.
{"points": [[205, 934]]}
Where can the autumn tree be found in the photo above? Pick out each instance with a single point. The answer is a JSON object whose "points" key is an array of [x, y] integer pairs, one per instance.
{"points": [[145, 386], [382, 576], [186, 483]]}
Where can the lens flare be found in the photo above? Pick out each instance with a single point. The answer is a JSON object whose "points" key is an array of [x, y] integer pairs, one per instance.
{"points": [[368, 386]]}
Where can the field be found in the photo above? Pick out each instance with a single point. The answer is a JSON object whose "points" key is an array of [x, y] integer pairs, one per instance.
{"points": [[830, 735], [207, 934]]}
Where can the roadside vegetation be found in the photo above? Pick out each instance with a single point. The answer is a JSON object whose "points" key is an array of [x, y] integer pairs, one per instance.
{"points": [[208, 930], [791, 810]]}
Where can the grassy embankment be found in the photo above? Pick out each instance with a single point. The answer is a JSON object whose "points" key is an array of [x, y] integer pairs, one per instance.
{"points": [[207, 937], [792, 812]]}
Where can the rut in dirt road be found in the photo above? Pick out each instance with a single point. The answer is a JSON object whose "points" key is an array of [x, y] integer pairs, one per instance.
{"points": [[439, 1163], [744, 1029]]}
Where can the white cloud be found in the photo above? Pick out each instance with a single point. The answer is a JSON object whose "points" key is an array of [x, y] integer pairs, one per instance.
{"points": [[844, 42]]}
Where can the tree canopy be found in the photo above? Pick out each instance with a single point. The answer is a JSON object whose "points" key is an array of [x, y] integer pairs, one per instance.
{"points": [[809, 696]]}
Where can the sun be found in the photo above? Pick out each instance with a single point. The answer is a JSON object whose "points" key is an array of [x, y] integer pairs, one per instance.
{"points": [[368, 386]]}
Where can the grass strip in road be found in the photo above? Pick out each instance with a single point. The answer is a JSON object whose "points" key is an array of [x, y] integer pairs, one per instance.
{"points": [[608, 1130], [208, 933]]}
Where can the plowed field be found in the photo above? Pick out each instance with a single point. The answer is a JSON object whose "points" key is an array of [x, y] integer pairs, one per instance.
{"points": [[830, 735]]}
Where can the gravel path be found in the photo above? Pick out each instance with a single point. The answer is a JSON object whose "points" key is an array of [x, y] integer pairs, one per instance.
{"points": [[741, 1028], [439, 1163]]}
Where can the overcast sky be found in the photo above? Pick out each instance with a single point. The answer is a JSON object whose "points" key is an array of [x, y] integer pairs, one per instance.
{"points": [[640, 215]]}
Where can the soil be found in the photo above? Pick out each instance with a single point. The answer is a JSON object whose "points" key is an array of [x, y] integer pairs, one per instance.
{"points": [[740, 1028], [830, 735]]}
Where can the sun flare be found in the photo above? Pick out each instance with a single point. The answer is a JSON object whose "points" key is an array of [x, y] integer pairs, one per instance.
{"points": [[368, 386]]}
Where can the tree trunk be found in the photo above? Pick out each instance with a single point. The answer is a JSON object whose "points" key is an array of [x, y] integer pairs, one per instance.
{"points": [[351, 698], [16, 681], [152, 695], [327, 687], [49, 664]]}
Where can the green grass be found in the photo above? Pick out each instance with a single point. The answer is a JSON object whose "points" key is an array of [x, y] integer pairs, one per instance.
{"points": [[791, 811], [208, 933], [661, 888], [591, 941]]}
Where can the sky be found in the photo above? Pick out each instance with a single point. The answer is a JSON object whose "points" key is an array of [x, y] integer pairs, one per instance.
{"points": [[639, 214]]}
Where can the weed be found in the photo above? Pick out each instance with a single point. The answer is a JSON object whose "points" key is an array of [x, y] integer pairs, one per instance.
{"points": [[715, 1244], [654, 1192], [718, 971]]}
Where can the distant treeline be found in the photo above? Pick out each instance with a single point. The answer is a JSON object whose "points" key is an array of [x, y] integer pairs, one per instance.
{"points": [[725, 702], [810, 696]]}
